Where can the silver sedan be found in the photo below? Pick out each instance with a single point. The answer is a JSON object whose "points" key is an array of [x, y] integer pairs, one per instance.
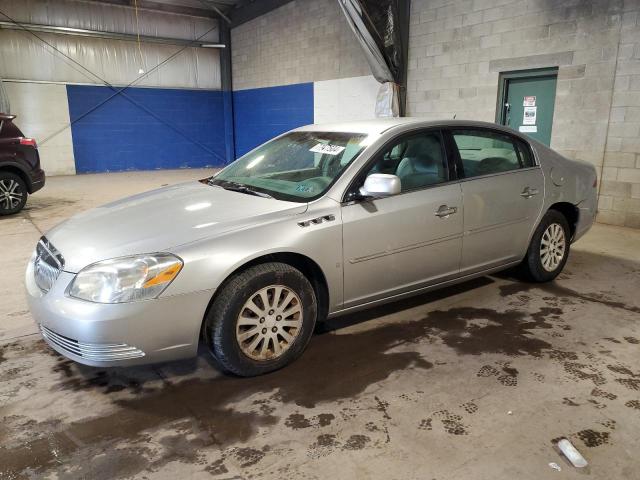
{"points": [[318, 222]]}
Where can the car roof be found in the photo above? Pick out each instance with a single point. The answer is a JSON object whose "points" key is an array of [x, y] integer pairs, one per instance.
{"points": [[381, 125]]}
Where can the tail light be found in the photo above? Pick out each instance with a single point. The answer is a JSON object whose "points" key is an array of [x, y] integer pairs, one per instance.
{"points": [[28, 141], [595, 182]]}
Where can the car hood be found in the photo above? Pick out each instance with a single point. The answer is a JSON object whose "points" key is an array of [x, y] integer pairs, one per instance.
{"points": [[158, 220]]}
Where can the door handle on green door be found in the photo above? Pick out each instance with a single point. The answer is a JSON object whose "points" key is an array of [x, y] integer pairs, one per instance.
{"points": [[444, 211], [529, 192]]}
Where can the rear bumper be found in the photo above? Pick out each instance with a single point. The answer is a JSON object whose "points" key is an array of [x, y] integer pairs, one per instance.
{"points": [[103, 335], [38, 178], [586, 218]]}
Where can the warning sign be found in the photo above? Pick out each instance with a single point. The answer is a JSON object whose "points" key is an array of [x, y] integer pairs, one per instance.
{"points": [[529, 101], [529, 117]]}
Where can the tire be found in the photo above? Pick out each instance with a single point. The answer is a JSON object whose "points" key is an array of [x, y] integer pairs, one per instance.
{"points": [[13, 193], [231, 340], [552, 230]]}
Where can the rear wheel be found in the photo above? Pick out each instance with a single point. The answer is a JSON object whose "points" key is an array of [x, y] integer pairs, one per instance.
{"points": [[261, 320], [13, 193], [549, 248]]}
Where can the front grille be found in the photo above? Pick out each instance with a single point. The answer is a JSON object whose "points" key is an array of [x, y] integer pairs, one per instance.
{"points": [[99, 352], [48, 265]]}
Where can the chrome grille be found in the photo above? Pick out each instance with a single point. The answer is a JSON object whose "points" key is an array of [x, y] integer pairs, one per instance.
{"points": [[47, 266], [99, 352]]}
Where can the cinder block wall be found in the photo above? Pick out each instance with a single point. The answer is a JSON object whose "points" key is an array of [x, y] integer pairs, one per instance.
{"points": [[297, 64], [302, 41], [458, 48], [620, 192]]}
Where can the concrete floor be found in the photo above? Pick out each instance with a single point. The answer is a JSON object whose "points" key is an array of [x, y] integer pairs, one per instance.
{"points": [[474, 381]]}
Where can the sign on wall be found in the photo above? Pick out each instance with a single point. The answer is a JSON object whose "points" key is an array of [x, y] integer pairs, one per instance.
{"points": [[529, 116]]}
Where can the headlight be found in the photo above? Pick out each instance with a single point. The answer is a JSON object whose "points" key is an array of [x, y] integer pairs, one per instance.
{"points": [[126, 279]]}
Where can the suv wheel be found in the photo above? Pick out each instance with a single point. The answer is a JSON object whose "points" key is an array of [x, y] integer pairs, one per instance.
{"points": [[549, 248], [13, 193], [261, 320]]}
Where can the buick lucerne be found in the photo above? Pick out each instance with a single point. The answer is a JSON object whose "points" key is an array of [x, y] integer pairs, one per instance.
{"points": [[320, 221]]}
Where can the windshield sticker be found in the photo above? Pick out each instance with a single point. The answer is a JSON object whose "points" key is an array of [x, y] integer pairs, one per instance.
{"points": [[304, 188], [327, 149]]}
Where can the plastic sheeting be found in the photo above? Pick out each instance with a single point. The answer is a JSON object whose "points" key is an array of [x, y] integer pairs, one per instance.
{"points": [[5, 107], [375, 25], [108, 18], [364, 31], [387, 100], [24, 57]]}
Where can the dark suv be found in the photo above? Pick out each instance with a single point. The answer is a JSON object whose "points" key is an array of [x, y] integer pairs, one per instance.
{"points": [[20, 172]]}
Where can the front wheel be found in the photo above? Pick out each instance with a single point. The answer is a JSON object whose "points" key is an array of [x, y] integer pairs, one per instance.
{"points": [[549, 248], [261, 320], [13, 193]]}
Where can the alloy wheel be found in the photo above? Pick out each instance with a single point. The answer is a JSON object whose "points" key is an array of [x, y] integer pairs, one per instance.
{"points": [[552, 247], [10, 194], [269, 322]]}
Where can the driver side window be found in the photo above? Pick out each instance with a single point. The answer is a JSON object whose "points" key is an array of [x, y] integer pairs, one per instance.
{"points": [[418, 160]]}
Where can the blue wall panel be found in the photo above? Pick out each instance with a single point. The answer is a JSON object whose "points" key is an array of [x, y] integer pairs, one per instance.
{"points": [[262, 113], [149, 128]]}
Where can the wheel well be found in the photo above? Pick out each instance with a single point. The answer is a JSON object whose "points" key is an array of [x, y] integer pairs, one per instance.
{"points": [[308, 267], [570, 212], [18, 172]]}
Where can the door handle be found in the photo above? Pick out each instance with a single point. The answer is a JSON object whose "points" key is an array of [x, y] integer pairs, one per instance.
{"points": [[444, 211], [529, 192]]}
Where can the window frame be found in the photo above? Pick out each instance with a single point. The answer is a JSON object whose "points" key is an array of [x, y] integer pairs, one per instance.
{"points": [[448, 160], [459, 166]]}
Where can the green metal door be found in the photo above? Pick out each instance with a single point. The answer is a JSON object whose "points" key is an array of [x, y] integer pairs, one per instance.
{"points": [[528, 101]]}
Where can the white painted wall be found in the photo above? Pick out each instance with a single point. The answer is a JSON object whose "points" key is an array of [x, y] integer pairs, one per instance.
{"points": [[41, 110], [344, 99]]}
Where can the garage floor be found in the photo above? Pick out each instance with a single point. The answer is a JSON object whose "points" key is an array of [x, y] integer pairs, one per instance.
{"points": [[474, 381]]}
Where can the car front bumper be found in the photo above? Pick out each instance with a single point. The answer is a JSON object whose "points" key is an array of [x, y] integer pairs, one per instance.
{"points": [[106, 335]]}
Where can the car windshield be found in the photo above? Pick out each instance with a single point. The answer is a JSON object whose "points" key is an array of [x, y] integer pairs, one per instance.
{"points": [[299, 166]]}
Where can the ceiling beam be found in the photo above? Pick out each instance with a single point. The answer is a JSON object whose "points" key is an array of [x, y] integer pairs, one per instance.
{"points": [[164, 7], [81, 32], [214, 6]]}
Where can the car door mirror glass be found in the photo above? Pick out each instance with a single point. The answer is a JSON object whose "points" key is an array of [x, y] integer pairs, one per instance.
{"points": [[380, 185]]}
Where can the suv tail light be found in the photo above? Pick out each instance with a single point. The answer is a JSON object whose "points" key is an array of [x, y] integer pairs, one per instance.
{"points": [[28, 141]]}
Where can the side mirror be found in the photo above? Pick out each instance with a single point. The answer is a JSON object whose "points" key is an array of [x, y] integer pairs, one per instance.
{"points": [[380, 185]]}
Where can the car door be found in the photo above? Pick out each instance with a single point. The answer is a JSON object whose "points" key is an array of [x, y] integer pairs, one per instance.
{"points": [[402, 242], [503, 192]]}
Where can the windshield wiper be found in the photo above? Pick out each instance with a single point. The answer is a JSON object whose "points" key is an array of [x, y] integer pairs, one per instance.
{"points": [[238, 187]]}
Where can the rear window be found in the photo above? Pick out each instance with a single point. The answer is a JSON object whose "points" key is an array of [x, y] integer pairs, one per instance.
{"points": [[9, 130], [485, 152]]}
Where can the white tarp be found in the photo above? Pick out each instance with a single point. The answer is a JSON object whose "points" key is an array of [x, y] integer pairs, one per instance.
{"points": [[387, 104]]}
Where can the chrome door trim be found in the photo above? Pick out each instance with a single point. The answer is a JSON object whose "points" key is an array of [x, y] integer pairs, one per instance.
{"points": [[404, 249], [420, 290], [488, 175], [495, 225]]}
